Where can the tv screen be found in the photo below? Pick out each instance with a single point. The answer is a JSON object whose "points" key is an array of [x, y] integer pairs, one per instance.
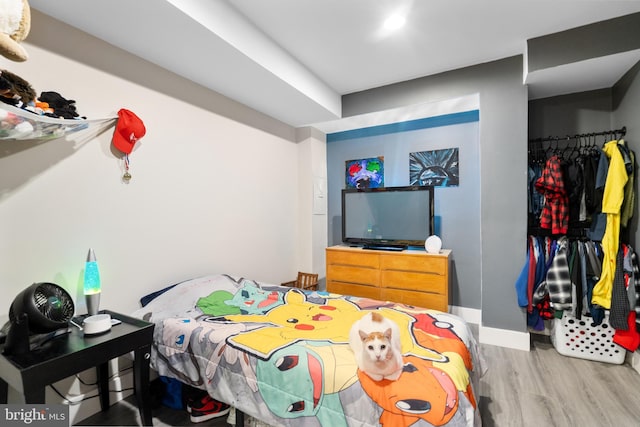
{"points": [[390, 216]]}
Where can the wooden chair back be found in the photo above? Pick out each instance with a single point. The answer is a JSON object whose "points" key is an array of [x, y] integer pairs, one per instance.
{"points": [[305, 281]]}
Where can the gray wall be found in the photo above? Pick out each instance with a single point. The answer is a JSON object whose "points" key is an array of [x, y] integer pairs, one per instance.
{"points": [[503, 165], [577, 113], [626, 112], [600, 39]]}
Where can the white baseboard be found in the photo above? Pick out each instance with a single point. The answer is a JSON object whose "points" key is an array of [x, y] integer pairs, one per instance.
{"points": [[470, 315], [493, 336], [505, 338]]}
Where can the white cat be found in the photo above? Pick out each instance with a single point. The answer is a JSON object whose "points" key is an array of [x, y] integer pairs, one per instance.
{"points": [[375, 341]]}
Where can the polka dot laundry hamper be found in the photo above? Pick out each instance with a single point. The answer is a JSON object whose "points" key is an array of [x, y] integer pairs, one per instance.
{"points": [[583, 339]]}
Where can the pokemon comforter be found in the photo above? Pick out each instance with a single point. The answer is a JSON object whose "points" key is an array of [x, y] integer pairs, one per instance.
{"points": [[282, 355]]}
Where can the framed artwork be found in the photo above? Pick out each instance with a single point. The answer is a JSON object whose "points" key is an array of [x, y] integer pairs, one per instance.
{"points": [[438, 168], [365, 173]]}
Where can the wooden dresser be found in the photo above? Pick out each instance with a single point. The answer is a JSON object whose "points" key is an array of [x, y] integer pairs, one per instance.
{"points": [[411, 277]]}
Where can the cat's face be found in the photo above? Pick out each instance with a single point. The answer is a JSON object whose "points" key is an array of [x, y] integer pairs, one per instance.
{"points": [[376, 345]]}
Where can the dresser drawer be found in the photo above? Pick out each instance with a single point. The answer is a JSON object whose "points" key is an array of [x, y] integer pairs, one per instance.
{"points": [[356, 290], [430, 264], [417, 299], [359, 259], [408, 277], [422, 282], [350, 274]]}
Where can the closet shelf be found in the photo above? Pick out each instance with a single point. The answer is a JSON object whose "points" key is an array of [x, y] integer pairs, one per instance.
{"points": [[18, 124]]}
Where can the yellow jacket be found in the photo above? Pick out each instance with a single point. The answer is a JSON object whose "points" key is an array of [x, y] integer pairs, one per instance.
{"points": [[611, 202]]}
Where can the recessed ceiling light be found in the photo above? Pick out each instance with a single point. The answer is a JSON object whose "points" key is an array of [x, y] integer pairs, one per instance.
{"points": [[394, 22]]}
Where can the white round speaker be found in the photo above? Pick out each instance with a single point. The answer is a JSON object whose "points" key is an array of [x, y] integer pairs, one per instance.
{"points": [[433, 244], [96, 324]]}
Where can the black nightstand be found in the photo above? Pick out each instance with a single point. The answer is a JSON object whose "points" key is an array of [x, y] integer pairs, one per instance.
{"points": [[70, 354]]}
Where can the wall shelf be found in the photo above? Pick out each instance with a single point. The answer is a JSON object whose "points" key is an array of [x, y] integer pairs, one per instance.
{"points": [[19, 124]]}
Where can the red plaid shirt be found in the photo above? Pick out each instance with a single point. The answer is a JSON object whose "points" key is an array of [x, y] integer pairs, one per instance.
{"points": [[555, 211]]}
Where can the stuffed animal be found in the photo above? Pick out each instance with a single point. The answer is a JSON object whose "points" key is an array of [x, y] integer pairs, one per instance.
{"points": [[62, 108], [15, 23], [43, 108], [15, 90]]}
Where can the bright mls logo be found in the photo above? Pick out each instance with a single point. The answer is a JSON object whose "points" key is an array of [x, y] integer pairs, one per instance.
{"points": [[34, 415]]}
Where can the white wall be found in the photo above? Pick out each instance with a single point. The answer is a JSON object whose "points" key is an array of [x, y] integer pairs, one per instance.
{"points": [[214, 188], [312, 187]]}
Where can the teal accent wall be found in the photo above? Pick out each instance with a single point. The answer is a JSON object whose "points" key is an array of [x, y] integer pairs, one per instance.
{"points": [[405, 126]]}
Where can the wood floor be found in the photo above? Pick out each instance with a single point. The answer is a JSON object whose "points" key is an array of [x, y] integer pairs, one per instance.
{"points": [[520, 389], [544, 388]]}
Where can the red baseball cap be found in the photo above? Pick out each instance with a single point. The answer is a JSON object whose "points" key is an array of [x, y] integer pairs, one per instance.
{"points": [[129, 130]]}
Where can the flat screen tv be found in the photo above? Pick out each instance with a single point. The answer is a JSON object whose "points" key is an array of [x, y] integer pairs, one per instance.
{"points": [[387, 218]]}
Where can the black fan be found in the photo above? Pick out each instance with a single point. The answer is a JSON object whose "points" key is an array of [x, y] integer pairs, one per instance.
{"points": [[37, 314]]}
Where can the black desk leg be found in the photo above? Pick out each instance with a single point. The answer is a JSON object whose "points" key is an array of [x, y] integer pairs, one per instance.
{"points": [[34, 395], [239, 418], [141, 383], [4, 391], [103, 385]]}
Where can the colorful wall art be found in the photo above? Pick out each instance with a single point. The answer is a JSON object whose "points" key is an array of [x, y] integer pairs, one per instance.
{"points": [[438, 168], [365, 173]]}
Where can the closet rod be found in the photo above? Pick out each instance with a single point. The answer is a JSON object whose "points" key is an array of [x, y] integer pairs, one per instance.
{"points": [[622, 132]]}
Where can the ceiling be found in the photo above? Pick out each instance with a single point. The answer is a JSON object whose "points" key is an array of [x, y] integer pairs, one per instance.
{"points": [[294, 59]]}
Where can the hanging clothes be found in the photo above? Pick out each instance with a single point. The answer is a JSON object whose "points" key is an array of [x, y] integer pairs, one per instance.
{"points": [[594, 271], [592, 197], [576, 276], [629, 279], [636, 284], [599, 219], [531, 275], [561, 274], [559, 278], [527, 281], [611, 202], [626, 212], [619, 298], [581, 284], [555, 212], [535, 200], [629, 338], [578, 259], [573, 177], [531, 288], [521, 284]]}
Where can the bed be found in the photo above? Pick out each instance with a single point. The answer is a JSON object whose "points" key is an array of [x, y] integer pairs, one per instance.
{"points": [[281, 355]]}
